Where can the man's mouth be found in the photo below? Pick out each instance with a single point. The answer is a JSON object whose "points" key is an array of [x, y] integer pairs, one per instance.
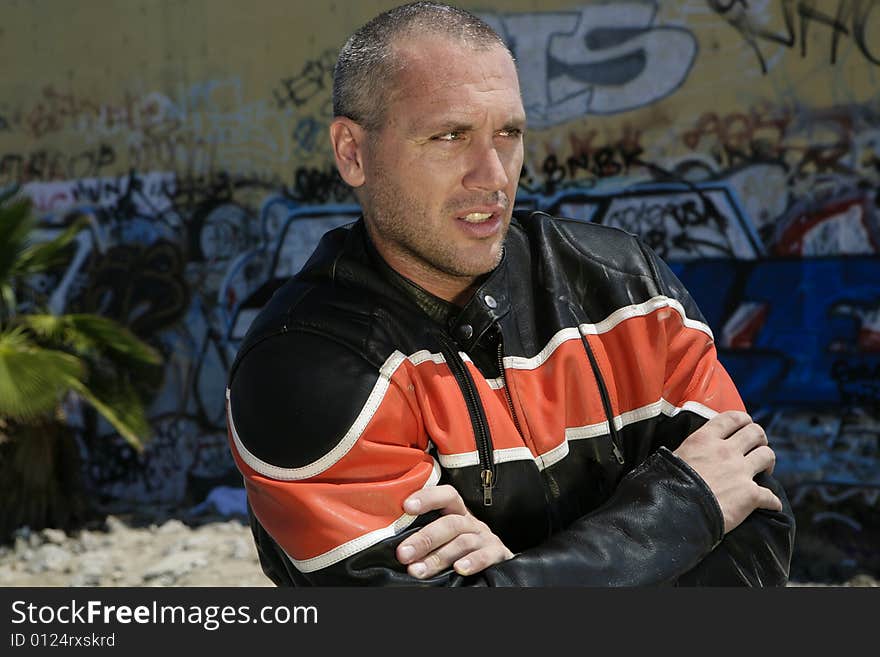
{"points": [[477, 217], [481, 225]]}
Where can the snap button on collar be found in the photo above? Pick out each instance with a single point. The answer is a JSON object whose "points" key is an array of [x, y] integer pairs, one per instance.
{"points": [[490, 301]]}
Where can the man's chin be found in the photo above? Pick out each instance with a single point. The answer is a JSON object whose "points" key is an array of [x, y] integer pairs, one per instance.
{"points": [[479, 266]]}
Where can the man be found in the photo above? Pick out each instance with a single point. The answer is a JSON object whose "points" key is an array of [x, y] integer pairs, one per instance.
{"points": [[445, 395]]}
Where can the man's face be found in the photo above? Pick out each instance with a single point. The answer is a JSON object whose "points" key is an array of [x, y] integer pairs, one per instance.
{"points": [[441, 174]]}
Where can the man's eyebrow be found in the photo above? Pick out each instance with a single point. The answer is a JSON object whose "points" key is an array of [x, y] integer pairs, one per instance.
{"points": [[517, 123], [456, 125], [444, 126]]}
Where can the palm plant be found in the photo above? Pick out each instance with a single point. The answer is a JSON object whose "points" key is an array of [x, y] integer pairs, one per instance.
{"points": [[44, 358]]}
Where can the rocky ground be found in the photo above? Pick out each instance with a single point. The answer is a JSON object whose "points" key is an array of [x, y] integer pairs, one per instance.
{"points": [[212, 551], [126, 553]]}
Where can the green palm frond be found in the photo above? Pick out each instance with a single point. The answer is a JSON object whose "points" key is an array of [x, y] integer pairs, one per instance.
{"points": [[7, 300], [93, 335], [39, 257], [33, 379], [16, 223], [20, 258], [43, 357], [120, 405]]}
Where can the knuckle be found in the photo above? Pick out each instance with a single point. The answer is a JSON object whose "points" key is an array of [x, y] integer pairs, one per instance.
{"points": [[470, 542], [758, 430], [423, 542], [446, 490], [460, 524], [765, 453], [433, 562], [480, 559], [735, 416], [454, 546]]}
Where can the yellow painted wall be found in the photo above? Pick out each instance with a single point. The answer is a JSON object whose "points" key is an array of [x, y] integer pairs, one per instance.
{"points": [[199, 85]]}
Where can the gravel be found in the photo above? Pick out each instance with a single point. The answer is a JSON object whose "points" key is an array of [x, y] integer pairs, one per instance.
{"points": [[121, 551], [219, 552]]}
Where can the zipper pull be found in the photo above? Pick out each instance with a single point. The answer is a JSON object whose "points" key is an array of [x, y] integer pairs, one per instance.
{"points": [[487, 477], [617, 453]]}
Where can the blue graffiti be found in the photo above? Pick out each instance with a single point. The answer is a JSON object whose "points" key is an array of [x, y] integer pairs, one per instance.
{"points": [[599, 59], [307, 135], [799, 333], [805, 352], [289, 234]]}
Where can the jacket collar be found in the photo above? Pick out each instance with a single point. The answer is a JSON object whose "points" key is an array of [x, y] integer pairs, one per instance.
{"points": [[489, 302], [439, 310]]}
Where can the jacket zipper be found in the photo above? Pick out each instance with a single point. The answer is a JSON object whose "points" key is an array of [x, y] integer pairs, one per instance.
{"points": [[606, 399], [506, 389], [553, 515], [482, 436]]}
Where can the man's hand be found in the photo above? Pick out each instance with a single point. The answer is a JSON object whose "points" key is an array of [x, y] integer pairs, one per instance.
{"points": [[727, 452], [457, 539]]}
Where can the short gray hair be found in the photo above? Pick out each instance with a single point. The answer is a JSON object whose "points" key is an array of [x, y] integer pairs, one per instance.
{"points": [[364, 68]]}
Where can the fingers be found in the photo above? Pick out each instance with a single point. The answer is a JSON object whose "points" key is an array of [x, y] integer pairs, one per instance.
{"points": [[453, 540], [741, 434], [748, 438], [456, 539], [435, 498], [442, 558], [434, 536], [766, 499], [481, 559], [429, 539], [466, 553], [761, 459], [728, 452], [724, 424]]}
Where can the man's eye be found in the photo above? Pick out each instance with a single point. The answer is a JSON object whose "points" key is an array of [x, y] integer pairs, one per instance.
{"points": [[510, 132], [449, 136]]}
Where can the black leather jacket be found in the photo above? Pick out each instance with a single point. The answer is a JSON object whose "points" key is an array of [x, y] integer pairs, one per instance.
{"points": [[352, 391]]}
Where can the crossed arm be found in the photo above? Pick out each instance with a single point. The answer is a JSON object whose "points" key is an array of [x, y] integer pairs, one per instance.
{"points": [[727, 452]]}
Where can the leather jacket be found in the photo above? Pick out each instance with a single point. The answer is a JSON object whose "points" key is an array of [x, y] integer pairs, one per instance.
{"points": [[551, 401]]}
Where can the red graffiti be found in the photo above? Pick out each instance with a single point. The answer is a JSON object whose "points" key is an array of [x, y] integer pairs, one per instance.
{"points": [[742, 329], [757, 134], [56, 111], [840, 227]]}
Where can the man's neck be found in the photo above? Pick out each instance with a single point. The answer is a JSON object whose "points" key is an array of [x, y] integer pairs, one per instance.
{"points": [[453, 289], [437, 308]]}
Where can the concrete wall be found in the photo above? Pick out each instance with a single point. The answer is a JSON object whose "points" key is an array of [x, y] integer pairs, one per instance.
{"points": [[741, 138]]}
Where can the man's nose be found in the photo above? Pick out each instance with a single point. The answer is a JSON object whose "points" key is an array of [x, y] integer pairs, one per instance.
{"points": [[486, 171]]}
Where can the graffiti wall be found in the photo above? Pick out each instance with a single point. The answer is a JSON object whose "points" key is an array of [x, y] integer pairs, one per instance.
{"points": [[740, 138]]}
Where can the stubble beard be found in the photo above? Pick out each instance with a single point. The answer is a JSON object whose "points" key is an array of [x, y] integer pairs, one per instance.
{"points": [[393, 216]]}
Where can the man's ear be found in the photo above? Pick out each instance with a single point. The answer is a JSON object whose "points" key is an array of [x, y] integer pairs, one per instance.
{"points": [[347, 138]]}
